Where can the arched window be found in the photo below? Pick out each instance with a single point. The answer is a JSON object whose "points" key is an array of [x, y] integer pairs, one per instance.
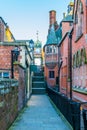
{"points": [[79, 19]]}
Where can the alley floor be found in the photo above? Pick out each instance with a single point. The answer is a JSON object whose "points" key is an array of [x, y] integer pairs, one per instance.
{"points": [[39, 115]]}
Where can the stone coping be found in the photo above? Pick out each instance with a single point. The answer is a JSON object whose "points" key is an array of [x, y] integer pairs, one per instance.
{"points": [[80, 90]]}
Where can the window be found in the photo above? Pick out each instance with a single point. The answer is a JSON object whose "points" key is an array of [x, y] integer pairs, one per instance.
{"points": [[54, 49], [4, 75], [79, 19], [49, 49], [51, 74], [0, 75], [70, 24]]}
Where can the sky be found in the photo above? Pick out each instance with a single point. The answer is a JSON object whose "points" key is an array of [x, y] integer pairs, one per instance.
{"points": [[26, 17]]}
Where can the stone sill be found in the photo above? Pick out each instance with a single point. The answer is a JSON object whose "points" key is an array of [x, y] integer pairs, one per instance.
{"points": [[63, 88], [80, 90], [79, 37]]}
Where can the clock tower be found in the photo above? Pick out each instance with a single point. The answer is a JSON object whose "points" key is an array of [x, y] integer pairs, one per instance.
{"points": [[38, 52]]}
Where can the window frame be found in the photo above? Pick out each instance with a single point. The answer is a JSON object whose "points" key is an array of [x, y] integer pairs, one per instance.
{"points": [[51, 74]]}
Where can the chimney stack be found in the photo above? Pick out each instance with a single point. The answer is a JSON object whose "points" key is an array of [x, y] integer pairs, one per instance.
{"points": [[52, 17]]}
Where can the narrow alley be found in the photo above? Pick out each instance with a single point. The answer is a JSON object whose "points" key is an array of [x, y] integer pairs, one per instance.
{"points": [[43, 65], [39, 114]]}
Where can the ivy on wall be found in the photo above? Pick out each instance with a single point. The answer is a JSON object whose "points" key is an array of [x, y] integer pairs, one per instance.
{"points": [[79, 58]]}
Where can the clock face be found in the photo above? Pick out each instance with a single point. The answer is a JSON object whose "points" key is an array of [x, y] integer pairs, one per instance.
{"points": [[37, 50], [37, 61]]}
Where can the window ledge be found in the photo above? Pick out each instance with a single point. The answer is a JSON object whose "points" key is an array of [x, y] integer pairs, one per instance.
{"points": [[63, 88], [51, 78], [79, 90], [79, 37]]}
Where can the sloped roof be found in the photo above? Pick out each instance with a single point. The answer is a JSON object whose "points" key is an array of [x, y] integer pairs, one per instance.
{"points": [[59, 33], [51, 38], [68, 18]]}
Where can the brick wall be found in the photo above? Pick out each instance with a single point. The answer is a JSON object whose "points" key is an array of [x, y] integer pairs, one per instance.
{"points": [[64, 67], [80, 72], [51, 81], [5, 57], [8, 102]]}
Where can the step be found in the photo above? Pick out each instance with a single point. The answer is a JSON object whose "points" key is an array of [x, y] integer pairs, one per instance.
{"points": [[38, 91], [36, 84], [38, 74], [38, 78]]}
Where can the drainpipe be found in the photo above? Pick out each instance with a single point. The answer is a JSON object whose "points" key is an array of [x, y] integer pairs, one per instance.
{"points": [[70, 65], [60, 65]]}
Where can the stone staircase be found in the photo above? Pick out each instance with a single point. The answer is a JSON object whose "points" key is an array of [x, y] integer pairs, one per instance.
{"points": [[38, 84]]}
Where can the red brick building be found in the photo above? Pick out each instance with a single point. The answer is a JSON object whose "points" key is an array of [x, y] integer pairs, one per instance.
{"points": [[78, 30], [79, 51], [15, 60], [51, 51], [5, 51], [64, 49]]}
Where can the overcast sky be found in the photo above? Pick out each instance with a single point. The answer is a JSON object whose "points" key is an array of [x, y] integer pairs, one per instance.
{"points": [[25, 17]]}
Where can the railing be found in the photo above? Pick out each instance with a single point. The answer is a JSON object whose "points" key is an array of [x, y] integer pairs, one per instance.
{"points": [[83, 116], [70, 109]]}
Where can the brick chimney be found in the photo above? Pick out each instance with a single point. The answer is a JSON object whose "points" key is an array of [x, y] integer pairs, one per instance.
{"points": [[52, 17]]}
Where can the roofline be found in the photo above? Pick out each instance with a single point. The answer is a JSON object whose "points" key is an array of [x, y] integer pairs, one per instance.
{"points": [[65, 36], [67, 21], [10, 32], [7, 27], [48, 45], [3, 21], [63, 39], [16, 44]]}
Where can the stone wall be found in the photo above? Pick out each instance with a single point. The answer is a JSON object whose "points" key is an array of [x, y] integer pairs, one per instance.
{"points": [[8, 102]]}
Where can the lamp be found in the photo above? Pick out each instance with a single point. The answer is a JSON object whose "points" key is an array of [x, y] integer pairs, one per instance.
{"points": [[14, 57]]}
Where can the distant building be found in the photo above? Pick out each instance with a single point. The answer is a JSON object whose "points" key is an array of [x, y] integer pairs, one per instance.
{"points": [[66, 52], [38, 53], [51, 51]]}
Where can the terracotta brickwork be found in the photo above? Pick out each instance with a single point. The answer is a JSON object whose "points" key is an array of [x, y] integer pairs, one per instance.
{"points": [[79, 54], [79, 50], [51, 81], [64, 49]]}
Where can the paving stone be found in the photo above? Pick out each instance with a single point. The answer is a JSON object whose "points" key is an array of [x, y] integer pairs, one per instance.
{"points": [[39, 115]]}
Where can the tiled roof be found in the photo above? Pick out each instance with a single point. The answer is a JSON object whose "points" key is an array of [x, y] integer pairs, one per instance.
{"points": [[51, 38], [59, 33], [68, 18]]}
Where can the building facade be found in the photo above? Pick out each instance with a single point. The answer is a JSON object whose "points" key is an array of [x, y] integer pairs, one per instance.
{"points": [[79, 51], [71, 62], [51, 51], [64, 47], [5, 33]]}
